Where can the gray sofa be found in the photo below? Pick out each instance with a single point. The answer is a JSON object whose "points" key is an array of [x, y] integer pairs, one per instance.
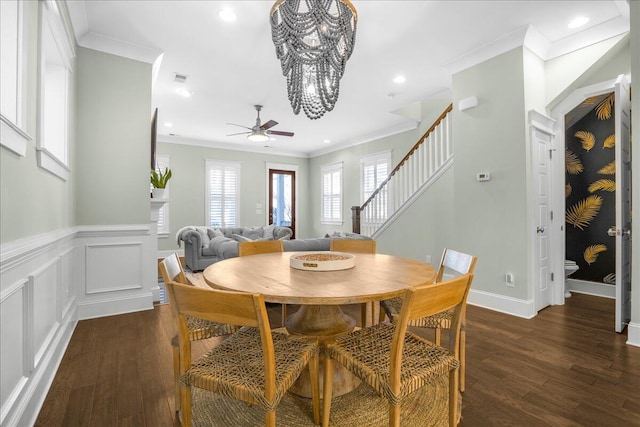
{"points": [[204, 246]]}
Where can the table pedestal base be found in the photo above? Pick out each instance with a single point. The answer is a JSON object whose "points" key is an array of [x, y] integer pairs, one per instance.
{"points": [[323, 322]]}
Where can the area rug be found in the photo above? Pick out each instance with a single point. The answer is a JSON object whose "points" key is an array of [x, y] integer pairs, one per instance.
{"points": [[359, 408]]}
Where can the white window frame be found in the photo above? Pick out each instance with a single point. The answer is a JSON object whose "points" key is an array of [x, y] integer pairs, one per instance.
{"points": [[334, 193], [222, 165], [56, 55], [13, 86], [372, 160], [162, 162]]}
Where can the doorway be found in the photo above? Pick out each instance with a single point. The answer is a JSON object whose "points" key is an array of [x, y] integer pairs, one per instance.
{"points": [[281, 196]]}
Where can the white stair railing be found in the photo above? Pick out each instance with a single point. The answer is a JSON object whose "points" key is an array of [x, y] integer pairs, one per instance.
{"points": [[423, 164]]}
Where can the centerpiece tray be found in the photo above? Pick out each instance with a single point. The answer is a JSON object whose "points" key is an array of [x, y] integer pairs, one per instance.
{"points": [[322, 261]]}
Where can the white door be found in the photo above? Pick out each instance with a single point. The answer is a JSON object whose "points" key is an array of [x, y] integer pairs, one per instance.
{"points": [[622, 230], [541, 154]]}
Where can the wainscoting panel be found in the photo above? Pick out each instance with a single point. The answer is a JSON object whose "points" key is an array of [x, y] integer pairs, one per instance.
{"points": [[114, 267], [37, 318]]}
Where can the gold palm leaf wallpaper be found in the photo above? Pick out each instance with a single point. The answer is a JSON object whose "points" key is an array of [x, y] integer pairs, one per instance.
{"points": [[587, 138], [592, 252], [610, 142], [590, 189], [573, 165], [605, 107], [602, 185], [609, 169], [582, 213]]}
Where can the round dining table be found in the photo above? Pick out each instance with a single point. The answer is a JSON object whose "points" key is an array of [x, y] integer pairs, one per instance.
{"points": [[320, 294]]}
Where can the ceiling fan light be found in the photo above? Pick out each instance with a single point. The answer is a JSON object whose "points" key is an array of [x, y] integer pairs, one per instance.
{"points": [[257, 137]]}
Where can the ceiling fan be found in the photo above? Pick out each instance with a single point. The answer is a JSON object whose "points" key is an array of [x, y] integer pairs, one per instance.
{"points": [[260, 132]]}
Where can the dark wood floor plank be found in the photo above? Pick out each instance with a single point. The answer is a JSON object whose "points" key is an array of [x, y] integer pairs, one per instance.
{"points": [[564, 368]]}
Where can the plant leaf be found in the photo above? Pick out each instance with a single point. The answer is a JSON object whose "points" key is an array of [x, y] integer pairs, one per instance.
{"points": [[604, 185], [581, 214], [567, 190], [610, 142], [587, 138], [591, 253], [609, 169], [572, 162], [604, 108], [589, 101]]}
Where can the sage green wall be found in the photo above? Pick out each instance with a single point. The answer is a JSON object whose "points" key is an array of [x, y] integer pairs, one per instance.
{"points": [[187, 187], [399, 145], [32, 200], [113, 139], [491, 217]]}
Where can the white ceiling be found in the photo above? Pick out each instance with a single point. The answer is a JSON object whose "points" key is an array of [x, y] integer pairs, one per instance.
{"points": [[232, 66]]}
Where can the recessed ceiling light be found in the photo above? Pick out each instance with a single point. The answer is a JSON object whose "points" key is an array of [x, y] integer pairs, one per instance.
{"points": [[168, 124], [399, 79], [327, 141], [578, 22], [184, 92], [227, 15]]}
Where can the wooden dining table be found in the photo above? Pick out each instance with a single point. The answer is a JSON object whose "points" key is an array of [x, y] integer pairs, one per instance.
{"points": [[320, 293]]}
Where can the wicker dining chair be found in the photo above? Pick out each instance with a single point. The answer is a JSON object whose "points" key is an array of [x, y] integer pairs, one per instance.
{"points": [[453, 263], [363, 247], [263, 247], [171, 270], [254, 365], [394, 361]]}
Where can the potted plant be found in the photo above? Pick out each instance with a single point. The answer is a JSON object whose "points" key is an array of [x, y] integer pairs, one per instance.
{"points": [[159, 181]]}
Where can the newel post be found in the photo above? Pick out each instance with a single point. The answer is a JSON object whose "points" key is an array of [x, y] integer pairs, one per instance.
{"points": [[355, 219]]}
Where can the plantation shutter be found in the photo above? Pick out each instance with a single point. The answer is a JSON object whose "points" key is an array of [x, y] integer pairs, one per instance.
{"points": [[331, 178], [374, 169], [223, 185]]}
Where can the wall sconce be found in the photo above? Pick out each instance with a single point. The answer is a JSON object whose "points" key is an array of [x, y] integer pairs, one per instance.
{"points": [[468, 103]]}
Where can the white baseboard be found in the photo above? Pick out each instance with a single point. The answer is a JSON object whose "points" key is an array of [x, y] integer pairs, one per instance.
{"points": [[633, 334], [114, 306], [513, 306], [591, 288]]}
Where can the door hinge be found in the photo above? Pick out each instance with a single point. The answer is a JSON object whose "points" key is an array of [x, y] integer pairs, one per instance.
{"points": [[552, 277]]}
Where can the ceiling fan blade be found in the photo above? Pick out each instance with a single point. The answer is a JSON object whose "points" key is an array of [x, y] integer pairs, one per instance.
{"points": [[278, 132], [241, 133], [242, 126], [269, 124]]}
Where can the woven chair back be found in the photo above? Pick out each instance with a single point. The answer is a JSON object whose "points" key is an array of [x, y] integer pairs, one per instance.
{"points": [[171, 270], [454, 264], [260, 247], [353, 246]]}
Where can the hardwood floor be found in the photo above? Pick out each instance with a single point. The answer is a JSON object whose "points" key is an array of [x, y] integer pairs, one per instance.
{"points": [[565, 367]]}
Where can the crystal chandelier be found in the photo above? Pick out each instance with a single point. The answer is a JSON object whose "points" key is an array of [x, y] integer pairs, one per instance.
{"points": [[313, 40]]}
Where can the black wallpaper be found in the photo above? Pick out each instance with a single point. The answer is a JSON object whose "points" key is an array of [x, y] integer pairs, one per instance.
{"points": [[590, 193]]}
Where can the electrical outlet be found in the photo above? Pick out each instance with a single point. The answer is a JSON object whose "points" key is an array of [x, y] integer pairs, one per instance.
{"points": [[427, 259], [509, 280]]}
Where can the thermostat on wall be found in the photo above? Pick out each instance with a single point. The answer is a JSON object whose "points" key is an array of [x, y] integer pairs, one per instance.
{"points": [[483, 176]]}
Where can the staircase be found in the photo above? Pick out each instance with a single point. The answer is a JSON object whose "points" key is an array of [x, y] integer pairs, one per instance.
{"points": [[429, 158]]}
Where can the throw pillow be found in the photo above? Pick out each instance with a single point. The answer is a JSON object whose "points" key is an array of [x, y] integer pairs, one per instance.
{"points": [[268, 231], [204, 236], [215, 232], [240, 238], [253, 233]]}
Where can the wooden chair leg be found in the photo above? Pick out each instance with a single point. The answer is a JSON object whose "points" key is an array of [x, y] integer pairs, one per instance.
{"points": [[438, 333], [382, 315], [363, 314], [463, 358], [284, 313], [327, 389], [176, 375], [270, 419], [314, 374], [453, 398], [374, 305], [394, 415], [185, 396]]}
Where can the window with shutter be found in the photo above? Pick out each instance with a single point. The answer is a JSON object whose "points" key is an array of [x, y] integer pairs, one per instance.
{"points": [[374, 169], [223, 193], [331, 181]]}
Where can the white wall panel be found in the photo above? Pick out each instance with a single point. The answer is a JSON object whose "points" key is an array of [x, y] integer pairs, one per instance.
{"points": [[44, 283], [12, 345], [113, 267]]}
